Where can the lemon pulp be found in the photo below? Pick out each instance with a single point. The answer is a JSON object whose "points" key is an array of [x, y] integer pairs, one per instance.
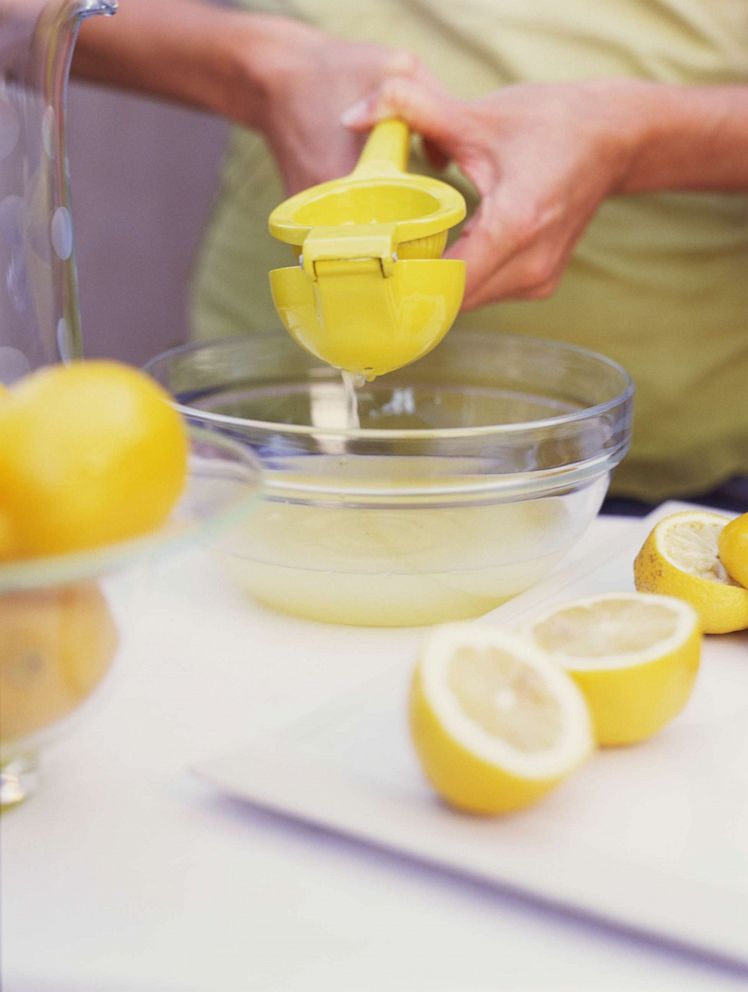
{"points": [[489, 687]]}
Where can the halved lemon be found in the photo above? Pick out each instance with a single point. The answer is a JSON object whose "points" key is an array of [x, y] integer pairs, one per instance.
{"points": [[494, 723], [732, 545], [635, 657], [680, 557]]}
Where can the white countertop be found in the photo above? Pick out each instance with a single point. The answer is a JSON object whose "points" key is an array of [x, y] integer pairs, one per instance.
{"points": [[126, 872]]}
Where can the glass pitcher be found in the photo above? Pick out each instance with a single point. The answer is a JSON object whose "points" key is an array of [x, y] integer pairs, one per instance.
{"points": [[39, 311]]}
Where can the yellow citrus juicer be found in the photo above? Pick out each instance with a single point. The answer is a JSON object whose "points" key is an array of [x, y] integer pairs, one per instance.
{"points": [[370, 292]]}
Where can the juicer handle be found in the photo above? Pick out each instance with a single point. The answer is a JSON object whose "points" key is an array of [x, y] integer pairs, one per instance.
{"points": [[386, 150]]}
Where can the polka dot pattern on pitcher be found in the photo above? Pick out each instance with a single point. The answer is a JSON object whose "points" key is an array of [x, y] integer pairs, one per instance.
{"points": [[64, 340], [13, 365], [62, 233]]}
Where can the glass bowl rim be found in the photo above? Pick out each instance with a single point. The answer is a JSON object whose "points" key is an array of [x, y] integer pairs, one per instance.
{"points": [[416, 434], [46, 571]]}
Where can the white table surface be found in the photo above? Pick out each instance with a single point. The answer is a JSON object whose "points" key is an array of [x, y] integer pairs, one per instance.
{"points": [[127, 873]]}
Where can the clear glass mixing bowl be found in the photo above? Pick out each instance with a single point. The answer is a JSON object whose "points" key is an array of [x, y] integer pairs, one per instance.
{"points": [[472, 472]]}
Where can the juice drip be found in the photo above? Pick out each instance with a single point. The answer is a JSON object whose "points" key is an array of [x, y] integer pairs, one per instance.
{"points": [[351, 382]]}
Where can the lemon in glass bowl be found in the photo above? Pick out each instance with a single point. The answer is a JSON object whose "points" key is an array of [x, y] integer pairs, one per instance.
{"points": [[63, 616]]}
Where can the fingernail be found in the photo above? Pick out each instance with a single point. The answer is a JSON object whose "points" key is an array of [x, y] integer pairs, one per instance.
{"points": [[355, 114]]}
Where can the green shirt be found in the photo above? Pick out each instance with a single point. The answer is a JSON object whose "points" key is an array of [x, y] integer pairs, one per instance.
{"points": [[659, 282]]}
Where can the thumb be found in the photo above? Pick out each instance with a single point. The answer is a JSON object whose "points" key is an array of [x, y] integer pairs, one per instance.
{"points": [[425, 109]]}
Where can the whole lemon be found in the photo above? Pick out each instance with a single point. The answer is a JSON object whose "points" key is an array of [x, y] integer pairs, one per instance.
{"points": [[56, 646], [732, 544], [90, 453]]}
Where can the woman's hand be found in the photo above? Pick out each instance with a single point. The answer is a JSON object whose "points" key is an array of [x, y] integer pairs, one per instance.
{"points": [[270, 73], [542, 156], [305, 79]]}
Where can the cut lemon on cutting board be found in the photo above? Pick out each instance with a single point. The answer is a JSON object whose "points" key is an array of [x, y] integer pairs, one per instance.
{"points": [[680, 557], [635, 657], [732, 545], [494, 723]]}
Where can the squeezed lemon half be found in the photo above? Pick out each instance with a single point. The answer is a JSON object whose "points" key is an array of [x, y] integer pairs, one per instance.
{"points": [[494, 723], [680, 557], [635, 657], [732, 545]]}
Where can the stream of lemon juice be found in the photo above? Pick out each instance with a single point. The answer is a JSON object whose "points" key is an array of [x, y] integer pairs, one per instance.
{"points": [[396, 565], [352, 381]]}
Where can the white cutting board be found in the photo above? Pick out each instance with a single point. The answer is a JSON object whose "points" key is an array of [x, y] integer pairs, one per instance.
{"points": [[653, 837]]}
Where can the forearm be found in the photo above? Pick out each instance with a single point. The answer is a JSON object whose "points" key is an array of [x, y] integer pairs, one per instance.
{"points": [[684, 137], [184, 51], [276, 74]]}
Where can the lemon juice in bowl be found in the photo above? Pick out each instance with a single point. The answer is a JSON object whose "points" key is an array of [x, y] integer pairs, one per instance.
{"points": [[472, 472], [397, 567]]}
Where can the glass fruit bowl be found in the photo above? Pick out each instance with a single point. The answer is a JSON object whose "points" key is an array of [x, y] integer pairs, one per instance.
{"points": [[470, 475], [62, 618]]}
